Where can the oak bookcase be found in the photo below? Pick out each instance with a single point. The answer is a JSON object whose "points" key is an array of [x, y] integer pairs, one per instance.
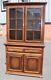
{"points": [[25, 38]]}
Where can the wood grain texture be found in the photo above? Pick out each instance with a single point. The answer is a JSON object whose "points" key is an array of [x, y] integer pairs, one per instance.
{"points": [[23, 56]]}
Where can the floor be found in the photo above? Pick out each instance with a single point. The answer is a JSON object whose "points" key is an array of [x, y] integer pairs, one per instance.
{"points": [[46, 64]]}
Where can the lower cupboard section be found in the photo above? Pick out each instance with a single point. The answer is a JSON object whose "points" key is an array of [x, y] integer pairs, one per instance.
{"points": [[24, 63]]}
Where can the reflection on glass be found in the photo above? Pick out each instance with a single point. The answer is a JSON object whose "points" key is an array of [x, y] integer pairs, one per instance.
{"points": [[12, 13], [37, 35], [29, 24], [19, 34], [29, 35], [19, 23], [34, 24], [12, 24], [34, 13], [12, 34], [37, 25], [19, 12]]}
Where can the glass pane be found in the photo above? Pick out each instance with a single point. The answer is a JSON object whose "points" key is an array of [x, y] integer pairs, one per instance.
{"points": [[12, 34], [34, 24], [12, 13], [19, 23], [29, 24], [19, 12], [19, 35], [37, 35], [29, 35], [34, 13], [37, 25], [37, 15], [12, 24]]}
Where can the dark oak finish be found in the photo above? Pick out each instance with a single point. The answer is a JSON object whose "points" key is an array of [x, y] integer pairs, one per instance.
{"points": [[25, 38]]}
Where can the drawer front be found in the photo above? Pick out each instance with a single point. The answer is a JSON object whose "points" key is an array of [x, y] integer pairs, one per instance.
{"points": [[9, 48], [33, 50], [24, 49]]}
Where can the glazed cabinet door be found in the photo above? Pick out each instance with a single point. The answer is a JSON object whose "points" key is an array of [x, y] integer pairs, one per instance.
{"points": [[14, 61], [34, 20], [33, 63], [16, 23]]}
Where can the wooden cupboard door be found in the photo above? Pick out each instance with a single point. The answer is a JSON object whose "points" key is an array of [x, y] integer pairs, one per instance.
{"points": [[34, 24], [33, 63], [14, 61], [16, 23]]}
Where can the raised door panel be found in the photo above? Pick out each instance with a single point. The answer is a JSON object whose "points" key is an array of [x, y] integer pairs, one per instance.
{"points": [[33, 63], [14, 61]]}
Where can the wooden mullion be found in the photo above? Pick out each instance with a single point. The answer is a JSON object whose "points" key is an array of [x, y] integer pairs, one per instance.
{"points": [[25, 22], [16, 24]]}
